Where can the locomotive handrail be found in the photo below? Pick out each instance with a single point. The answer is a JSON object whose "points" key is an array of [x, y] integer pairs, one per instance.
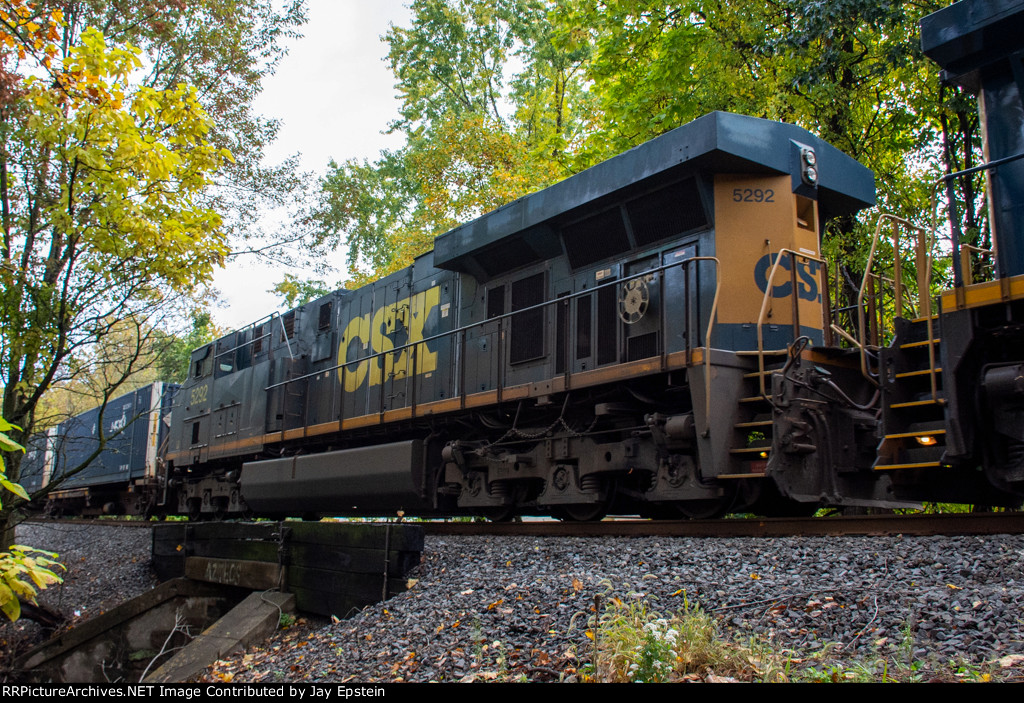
{"points": [[284, 336], [928, 247], [500, 318], [259, 322], [460, 333], [762, 316], [946, 178], [243, 344], [965, 259], [955, 245], [922, 285]]}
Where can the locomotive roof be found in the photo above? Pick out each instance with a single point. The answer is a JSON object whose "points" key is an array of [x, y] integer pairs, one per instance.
{"points": [[719, 142], [972, 36]]}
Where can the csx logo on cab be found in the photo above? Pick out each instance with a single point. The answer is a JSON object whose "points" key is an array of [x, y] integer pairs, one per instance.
{"points": [[806, 277], [390, 326]]}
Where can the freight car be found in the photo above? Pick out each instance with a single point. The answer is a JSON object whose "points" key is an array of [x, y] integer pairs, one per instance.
{"points": [[652, 336], [117, 444]]}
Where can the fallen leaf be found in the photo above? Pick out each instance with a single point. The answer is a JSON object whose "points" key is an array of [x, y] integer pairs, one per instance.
{"points": [[1011, 660]]}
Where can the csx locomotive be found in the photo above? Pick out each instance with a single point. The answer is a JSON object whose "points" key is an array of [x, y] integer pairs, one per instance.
{"points": [[651, 336]]}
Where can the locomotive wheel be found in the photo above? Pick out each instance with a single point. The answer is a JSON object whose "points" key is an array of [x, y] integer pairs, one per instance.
{"points": [[704, 509], [220, 509], [580, 512], [503, 514], [660, 512]]}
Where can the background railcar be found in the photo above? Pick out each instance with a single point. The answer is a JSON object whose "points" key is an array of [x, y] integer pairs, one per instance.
{"points": [[104, 462]]}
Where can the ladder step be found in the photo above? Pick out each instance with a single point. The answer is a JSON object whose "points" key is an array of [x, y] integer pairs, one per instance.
{"points": [[918, 320], [921, 465], [754, 423], [919, 403], [758, 374], [752, 450], [913, 345], [918, 433], [922, 372], [767, 353]]}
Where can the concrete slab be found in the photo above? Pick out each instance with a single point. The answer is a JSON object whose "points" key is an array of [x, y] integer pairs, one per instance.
{"points": [[80, 654], [253, 619]]}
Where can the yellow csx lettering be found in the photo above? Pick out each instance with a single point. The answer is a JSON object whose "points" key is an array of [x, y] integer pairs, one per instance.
{"points": [[409, 314]]}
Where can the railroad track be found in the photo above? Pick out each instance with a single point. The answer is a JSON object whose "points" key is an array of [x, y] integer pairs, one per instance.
{"points": [[920, 525]]}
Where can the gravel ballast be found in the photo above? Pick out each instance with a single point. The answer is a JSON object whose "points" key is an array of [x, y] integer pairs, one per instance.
{"points": [[517, 608]]}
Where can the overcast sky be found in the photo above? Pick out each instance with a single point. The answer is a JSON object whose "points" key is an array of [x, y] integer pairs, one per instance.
{"points": [[334, 95]]}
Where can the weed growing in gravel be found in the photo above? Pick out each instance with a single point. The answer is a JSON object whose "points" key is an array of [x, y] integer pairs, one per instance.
{"points": [[885, 671], [632, 642]]}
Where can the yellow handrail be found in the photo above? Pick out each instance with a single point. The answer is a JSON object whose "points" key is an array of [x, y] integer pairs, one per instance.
{"points": [[762, 316]]}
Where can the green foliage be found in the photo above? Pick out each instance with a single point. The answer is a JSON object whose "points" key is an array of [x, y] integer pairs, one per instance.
{"points": [[851, 72], [365, 206], [118, 193], [100, 215], [224, 49], [24, 571], [174, 351], [501, 99], [6, 443], [476, 137], [296, 292]]}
